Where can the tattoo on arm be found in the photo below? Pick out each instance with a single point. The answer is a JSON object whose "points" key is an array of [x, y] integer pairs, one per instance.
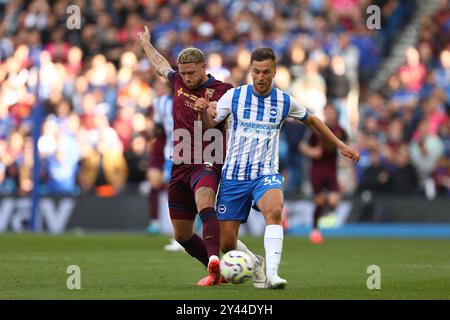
{"points": [[157, 60]]}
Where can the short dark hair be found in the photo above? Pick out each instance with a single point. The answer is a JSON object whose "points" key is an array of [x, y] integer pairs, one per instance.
{"points": [[262, 54]]}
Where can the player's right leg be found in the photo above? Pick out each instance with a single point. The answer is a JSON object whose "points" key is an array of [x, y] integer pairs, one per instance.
{"points": [[155, 178], [182, 211], [319, 201], [233, 207], [229, 230]]}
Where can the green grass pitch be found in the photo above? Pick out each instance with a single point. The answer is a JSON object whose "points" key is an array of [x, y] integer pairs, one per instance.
{"points": [[136, 267]]}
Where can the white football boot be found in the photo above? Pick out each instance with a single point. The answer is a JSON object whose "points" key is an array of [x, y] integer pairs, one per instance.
{"points": [[275, 282]]}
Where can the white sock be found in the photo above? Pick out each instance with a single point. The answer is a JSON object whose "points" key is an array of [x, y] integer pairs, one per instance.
{"points": [[242, 247], [273, 243]]}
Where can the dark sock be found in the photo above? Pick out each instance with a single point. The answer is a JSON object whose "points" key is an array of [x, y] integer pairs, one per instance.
{"points": [[197, 249], [318, 211], [211, 231], [154, 204]]}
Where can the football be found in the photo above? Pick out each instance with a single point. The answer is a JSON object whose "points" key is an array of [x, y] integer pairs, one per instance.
{"points": [[236, 266]]}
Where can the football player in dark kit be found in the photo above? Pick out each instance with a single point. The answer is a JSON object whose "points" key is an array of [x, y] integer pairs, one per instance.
{"points": [[194, 182], [323, 171]]}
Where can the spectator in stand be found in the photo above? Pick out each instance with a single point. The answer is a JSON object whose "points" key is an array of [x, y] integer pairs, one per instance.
{"points": [[441, 176], [413, 72], [376, 180], [338, 88], [404, 175], [137, 160], [426, 149], [442, 72], [215, 67], [103, 168], [310, 89]]}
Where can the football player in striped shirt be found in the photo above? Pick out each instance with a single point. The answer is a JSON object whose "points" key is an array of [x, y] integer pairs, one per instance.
{"points": [[250, 173]]}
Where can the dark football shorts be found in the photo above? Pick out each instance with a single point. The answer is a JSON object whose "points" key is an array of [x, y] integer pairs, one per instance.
{"points": [[322, 181], [185, 181]]}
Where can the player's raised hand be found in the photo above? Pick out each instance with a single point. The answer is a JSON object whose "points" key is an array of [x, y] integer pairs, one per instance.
{"points": [[144, 37], [201, 105], [349, 152]]}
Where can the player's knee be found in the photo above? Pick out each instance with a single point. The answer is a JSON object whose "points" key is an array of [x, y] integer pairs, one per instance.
{"points": [[181, 236], [273, 215], [205, 198], [319, 200]]}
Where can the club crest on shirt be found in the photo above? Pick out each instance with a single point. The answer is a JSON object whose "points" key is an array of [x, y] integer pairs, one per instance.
{"points": [[209, 93], [273, 112]]}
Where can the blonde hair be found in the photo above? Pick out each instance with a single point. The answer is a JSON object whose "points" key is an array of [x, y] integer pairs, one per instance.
{"points": [[191, 55]]}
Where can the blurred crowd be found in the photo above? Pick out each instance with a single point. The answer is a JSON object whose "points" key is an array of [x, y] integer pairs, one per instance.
{"points": [[96, 87]]}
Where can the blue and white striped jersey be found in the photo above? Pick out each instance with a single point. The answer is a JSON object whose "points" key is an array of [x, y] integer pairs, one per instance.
{"points": [[254, 125], [163, 115]]}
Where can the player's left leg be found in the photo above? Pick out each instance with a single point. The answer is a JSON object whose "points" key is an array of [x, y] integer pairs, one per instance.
{"points": [[319, 183], [205, 199], [269, 197], [233, 207], [182, 210], [204, 184]]}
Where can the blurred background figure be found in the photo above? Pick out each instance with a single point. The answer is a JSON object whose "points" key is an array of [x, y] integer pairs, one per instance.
{"points": [[323, 171], [160, 166]]}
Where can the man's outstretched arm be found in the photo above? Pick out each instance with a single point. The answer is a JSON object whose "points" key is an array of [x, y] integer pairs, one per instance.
{"points": [[325, 133], [160, 63]]}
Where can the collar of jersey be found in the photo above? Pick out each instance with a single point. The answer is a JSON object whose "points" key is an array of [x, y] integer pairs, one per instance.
{"points": [[208, 82], [258, 95]]}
